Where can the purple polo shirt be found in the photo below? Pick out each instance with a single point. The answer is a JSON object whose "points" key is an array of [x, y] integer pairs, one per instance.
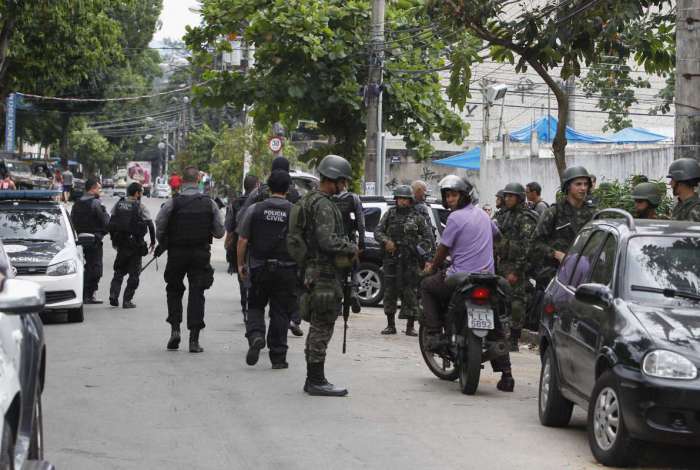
{"points": [[469, 237]]}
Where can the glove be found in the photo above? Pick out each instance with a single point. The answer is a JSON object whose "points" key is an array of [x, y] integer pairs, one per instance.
{"points": [[160, 249]]}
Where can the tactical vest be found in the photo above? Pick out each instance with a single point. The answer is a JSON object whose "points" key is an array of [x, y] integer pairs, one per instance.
{"points": [[126, 219], [346, 205], [682, 210], [268, 229], [191, 220], [83, 217]]}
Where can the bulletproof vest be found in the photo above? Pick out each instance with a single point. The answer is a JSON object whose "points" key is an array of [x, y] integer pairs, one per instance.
{"points": [[346, 205], [126, 218], [268, 228], [83, 217], [191, 220]]}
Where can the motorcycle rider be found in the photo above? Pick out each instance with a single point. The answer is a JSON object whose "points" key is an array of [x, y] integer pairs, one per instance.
{"points": [[647, 198], [468, 240]]}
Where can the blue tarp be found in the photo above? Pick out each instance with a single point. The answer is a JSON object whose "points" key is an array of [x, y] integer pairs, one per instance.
{"points": [[546, 128], [469, 160], [636, 135]]}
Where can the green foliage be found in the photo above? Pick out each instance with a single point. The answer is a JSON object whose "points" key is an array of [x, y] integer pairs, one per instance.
{"points": [[616, 194], [92, 150]]}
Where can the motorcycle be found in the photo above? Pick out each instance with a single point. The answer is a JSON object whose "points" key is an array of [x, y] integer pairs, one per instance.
{"points": [[478, 305]]}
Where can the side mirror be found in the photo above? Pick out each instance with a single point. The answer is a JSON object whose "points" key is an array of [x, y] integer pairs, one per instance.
{"points": [[20, 296], [85, 239], [595, 294]]}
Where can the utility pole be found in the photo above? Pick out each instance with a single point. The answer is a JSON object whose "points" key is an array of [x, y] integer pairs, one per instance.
{"points": [[687, 94], [373, 97]]}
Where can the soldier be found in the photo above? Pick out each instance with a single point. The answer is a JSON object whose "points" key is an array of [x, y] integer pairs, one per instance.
{"points": [[271, 270], [647, 198], [400, 231], [185, 226], [533, 192], [127, 226], [328, 253], [685, 176], [500, 207], [90, 216], [559, 224], [350, 207], [511, 250]]}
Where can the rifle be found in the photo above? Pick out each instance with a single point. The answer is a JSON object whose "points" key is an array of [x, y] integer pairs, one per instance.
{"points": [[347, 293], [160, 249]]}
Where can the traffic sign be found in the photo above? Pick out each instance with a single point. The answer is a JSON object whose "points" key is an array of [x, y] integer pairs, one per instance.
{"points": [[275, 144]]}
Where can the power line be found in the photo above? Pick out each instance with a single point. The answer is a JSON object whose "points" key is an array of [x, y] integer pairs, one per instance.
{"points": [[107, 100]]}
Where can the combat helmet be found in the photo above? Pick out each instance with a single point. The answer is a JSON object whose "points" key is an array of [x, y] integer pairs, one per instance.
{"points": [[516, 189], [647, 192], [403, 191], [571, 174], [500, 193], [335, 167], [684, 169]]}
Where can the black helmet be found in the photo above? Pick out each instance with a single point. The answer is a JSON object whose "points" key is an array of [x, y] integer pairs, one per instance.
{"points": [[647, 192], [515, 188], [684, 169], [455, 183], [335, 167], [571, 174], [403, 191], [500, 193]]}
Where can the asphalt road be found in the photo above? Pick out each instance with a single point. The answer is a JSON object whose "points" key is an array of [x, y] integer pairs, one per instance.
{"points": [[115, 398]]}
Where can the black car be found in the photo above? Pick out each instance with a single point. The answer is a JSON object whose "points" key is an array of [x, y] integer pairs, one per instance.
{"points": [[620, 335]]}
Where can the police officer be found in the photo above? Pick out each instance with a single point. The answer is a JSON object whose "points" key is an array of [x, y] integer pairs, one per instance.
{"points": [[647, 198], [400, 231], [233, 216], [90, 216], [127, 226], [685, 176], [185, 226], [271, 270], [559, 224], [329, 254], [517, 224]]}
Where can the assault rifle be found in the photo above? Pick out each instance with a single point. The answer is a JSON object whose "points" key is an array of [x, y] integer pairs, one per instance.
{"points": [[347, 293], [160, 249]]}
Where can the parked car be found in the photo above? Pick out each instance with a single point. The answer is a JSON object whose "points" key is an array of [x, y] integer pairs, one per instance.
{"points": [[20, 172], [620, 335], [107, 183], [161, 190], [369, 276], [43, 247], [22, 371]]}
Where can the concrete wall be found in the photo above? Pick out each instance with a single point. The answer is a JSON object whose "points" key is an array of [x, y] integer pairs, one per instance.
{"points": [[495, 174]]}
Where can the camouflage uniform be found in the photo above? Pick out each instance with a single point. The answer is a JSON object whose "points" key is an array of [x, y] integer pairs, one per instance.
{"points": [[511, 250], [328, 247], [407, 228], [499, 215], [687, 210]]}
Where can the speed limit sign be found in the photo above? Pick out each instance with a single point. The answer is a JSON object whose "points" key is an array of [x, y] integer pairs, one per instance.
{"points": [[275, 144]]}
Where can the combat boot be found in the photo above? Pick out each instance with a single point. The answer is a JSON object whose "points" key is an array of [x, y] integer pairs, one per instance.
{"points": [[174, 341], [114, 302], [194, 342], [355, 304], [317, 385], [295, 329], [128, 304], [390, 327], [410, 331], [514, 338], [256, 344], [507, 382]]}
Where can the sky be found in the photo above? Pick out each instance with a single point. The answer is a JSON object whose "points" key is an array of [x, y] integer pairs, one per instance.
{"points": [[175, 16]]}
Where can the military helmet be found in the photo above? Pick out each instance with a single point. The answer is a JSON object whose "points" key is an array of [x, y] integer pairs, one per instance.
{"points": [[335, 167], [684, 169], [500, 193], [647, 192], [403, 191], [572, 173], [515, 188]]}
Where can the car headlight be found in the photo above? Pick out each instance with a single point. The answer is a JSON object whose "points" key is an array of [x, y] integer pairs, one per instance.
{"points": [[63, 268], [668, 365]]}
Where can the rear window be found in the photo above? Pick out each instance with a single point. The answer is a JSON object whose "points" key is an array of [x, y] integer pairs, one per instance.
{"points": [[32, 225]]}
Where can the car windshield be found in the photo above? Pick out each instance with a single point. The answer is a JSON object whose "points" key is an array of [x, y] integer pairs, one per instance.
{"points": [[18, 167], [32, 225], [663, 263]]}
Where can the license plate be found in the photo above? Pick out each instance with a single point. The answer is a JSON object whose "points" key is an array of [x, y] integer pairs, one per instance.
{"points": [[480, 318]]}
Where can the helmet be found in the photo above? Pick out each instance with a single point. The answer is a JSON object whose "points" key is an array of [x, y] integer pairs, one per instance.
{"points": [[455, 183], [515, 188], [647, 192], [403, 191], [684, 169], [500, 193], [572, 173], [335, 167]]}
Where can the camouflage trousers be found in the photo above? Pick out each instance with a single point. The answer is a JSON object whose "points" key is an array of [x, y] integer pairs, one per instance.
{"points": [[401, 281], [320, 306], [518, 307]]}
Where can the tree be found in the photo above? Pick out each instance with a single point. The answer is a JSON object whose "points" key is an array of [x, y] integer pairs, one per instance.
{"points": [[92, 150], [564, 34], [311, 62]]}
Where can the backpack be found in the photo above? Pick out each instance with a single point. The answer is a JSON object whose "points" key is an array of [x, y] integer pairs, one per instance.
{"points": [[300, 227]]}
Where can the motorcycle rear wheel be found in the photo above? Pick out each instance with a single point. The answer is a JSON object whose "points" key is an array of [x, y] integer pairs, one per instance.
{"points": [[469, 364], [441, 366]]}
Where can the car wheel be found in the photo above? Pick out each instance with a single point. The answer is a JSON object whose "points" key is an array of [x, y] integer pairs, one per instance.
{"points": [[555, 410], [608, 437], [7, 457], [371, 284], [76, 315], [36, 445]]}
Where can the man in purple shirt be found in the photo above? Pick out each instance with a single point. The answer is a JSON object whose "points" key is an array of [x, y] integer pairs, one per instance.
{"points": [[468, 239]]}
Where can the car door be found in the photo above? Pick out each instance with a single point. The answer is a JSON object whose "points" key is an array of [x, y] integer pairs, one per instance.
{"points": [[590, 320]]}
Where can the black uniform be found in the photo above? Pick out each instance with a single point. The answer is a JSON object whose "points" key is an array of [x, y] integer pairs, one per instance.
{"points": [[233, 214], [90, 216], [272, 274], [127, 227], [186, 225]]}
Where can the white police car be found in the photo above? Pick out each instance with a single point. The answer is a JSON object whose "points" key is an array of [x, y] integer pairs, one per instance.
{"points": [[43, 247]]}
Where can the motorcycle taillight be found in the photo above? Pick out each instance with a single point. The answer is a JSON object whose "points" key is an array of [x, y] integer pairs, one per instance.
{"points": [[480, 294]]}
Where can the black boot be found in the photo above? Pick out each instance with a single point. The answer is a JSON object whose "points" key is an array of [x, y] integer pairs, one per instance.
{"points": [[514, 338], [174, 341], [390, 326], [355, 304], [91, 300], [295, 329], [317, 385], [128, 304], [256, 344], [410, 331], [114, 302], [507, 382], [194, 342]]}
